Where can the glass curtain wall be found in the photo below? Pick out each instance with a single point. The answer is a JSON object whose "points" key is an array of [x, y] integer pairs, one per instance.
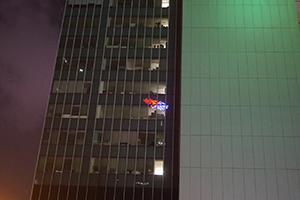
{"points": [[109, 128]]}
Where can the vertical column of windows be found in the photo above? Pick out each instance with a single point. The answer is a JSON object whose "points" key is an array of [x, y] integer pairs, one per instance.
{"points": [[101, 163], [91, 130], [116, 135], [111, 164], [159, 164], [124, 163], [155, 44], [149, 162], [139, 43], [133, 36], [73, 75], [52, 163], [57, 135], [90, 54], [104, 162], [95, 162]]}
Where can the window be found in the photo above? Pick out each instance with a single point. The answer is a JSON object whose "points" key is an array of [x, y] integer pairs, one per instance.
{"points": [[99, 112], [98, 165], [160, 139], [115, 138], [149, 166], [76, 63], [58, 165], [94, 165], [86, 63], [105, 140], [41, 164], [97, 138], [67, 165], [80, 137], [103, 165], [146, 139], [76, 165], [134, 112], [87, 87], [123, 139], [130, 166], [139, 167], [129, 87], [134, 64], [71, 137], [141, 42], [71, 87], [49, 164], [165, 3], [158, 167], [54, 137], [122, 166], [70, 42], [112, 165], [62, 137], [75, 111], [46, 137]]}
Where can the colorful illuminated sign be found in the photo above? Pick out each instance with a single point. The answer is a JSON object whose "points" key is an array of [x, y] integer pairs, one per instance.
{"points": [[159, 105]]}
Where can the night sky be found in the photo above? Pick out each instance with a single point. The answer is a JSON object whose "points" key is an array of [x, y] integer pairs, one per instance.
{"points": [[29, 32]]}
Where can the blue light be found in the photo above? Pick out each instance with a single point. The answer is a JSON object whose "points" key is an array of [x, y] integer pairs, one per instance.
{"points": [[161, 106]]}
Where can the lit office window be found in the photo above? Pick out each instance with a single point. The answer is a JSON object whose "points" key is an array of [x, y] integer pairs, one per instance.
{"points": [[159, 167], [165, 3]]}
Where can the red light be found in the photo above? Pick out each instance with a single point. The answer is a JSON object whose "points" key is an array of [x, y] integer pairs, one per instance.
{"points": [[150, 102]]}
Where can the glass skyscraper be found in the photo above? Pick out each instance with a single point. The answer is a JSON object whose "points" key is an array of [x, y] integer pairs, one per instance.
{"points": [[139, 84], [111, 129]]}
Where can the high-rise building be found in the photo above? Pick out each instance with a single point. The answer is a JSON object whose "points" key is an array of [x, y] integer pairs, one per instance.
{"points": [[134, 79], [112, 124]]}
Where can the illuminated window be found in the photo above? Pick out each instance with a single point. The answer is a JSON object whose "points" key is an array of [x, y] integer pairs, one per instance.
{"points": [[165, 3], [159, 167]]}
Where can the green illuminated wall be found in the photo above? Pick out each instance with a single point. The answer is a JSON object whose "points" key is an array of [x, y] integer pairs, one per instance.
{"points": [[240, 113]]}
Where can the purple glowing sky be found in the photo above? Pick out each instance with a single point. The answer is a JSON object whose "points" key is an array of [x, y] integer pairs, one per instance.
{"points": [[29, 31]]}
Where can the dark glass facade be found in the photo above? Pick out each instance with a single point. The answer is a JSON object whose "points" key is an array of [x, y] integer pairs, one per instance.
{"points": [[112, 125]]}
